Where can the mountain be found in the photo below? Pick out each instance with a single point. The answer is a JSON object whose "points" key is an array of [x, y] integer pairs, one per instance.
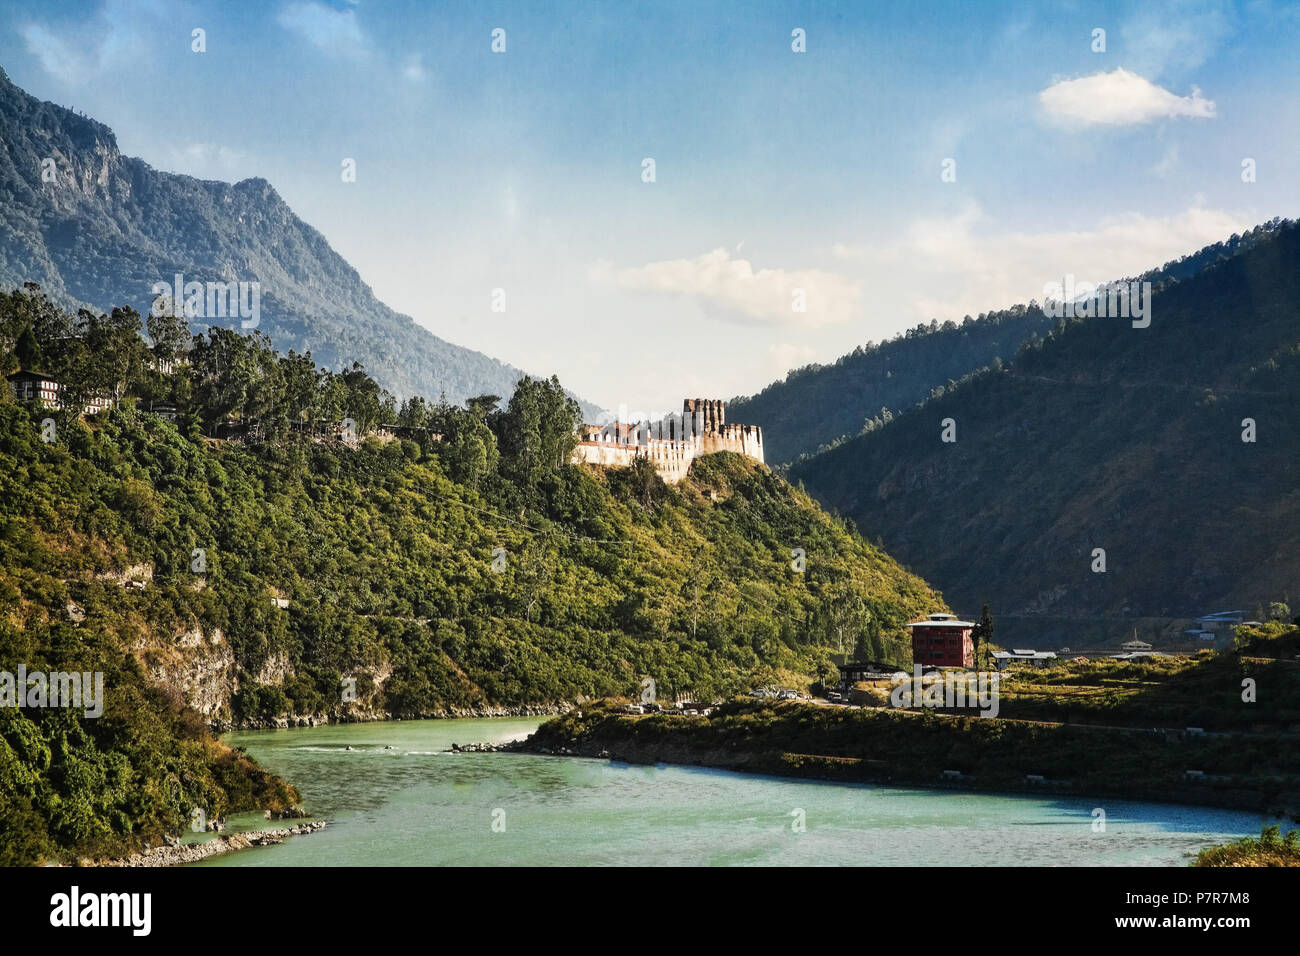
{"points": [[1107, 436], [109, 226], [463, 569], [818, 406]]}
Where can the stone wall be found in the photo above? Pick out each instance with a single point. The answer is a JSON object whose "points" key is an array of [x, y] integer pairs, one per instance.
{"points": [[671, 443]]}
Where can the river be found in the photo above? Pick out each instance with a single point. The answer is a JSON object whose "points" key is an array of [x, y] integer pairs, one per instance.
{"points": [[414, 805]]}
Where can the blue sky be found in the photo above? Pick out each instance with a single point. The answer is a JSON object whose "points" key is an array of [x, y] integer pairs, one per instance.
{"points": [[777, 174]]}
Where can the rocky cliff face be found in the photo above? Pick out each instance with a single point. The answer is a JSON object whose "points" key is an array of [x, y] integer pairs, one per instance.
{"points": [[196, 669], [97, 229]]}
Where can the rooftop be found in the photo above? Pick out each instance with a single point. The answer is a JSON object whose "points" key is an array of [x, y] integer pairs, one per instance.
{"points": [[941, 620]]}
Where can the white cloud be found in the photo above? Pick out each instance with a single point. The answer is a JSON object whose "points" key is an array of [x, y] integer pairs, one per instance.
{"points": [[208, 161], [734, 288], [54, 55], [414, 70], [1167, 163], [784, 356], [100, 43], [964, 269], [1178, 35], [334, 31], [1118, 98]]}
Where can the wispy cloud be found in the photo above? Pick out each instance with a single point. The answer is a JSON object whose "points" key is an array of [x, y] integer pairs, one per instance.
{"points": [[1118, 98], [734, 289], [1167, 163], [413, 69], [209, 161], [784, 356], [336, 32], [76, 53], [54, 55], [1176, 36], [965, 265]]}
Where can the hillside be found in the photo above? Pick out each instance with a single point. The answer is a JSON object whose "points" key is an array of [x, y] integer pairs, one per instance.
{"points": [[818, 406], [281, 576], [1106, 436], [388, 568], [110, 226]]}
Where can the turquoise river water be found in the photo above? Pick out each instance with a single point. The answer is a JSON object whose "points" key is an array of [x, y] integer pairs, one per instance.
{"points": [[415, 805]]}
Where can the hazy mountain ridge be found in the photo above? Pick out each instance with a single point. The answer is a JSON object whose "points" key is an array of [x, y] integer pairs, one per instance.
{"points": [[1105, 436], [112, 226], [816, 407]]}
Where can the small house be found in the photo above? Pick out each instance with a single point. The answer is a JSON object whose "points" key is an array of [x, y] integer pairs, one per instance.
{"points": [[30, 386], [1022, 655], [854, 671]]}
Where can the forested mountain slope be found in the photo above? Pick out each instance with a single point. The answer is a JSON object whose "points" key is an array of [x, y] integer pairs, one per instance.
{"points": [[450, 560], [818, 406], [1106, 436]]}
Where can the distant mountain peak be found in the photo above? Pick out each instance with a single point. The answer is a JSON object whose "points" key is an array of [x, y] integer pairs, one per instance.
{"points": [[111, 226]]}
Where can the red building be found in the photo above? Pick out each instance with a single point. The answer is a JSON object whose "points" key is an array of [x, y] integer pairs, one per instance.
{"points": [[942, 641]]}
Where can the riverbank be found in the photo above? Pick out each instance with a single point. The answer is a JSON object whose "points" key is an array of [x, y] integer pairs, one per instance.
{"points": [[366, 717], [177, 854], [1256, 773], [1271, 849]]}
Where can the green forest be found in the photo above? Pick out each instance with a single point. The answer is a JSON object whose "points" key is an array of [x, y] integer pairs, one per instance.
{"points": [[817, 408], [258, 561], [1172, 448]]}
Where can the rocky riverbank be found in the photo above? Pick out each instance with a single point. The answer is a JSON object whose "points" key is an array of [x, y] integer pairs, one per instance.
{"points": [[362, 717], [175, 854], [485, 748]]}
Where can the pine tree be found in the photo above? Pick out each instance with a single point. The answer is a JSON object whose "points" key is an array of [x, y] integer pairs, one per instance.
{"points": [[983, 634]]}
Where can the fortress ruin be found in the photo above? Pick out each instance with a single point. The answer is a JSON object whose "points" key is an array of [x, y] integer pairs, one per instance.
{"points": [[671, 443]]}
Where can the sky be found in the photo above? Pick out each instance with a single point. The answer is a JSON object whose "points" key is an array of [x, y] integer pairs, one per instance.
{"points": [[824, 175]]}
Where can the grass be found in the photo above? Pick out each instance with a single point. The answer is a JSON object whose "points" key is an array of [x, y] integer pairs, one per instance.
{"points": [[1271, 849]]}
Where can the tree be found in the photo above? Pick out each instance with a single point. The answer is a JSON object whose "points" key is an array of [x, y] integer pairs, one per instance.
{"points": [[363, 398], [530, 575], [982, 634], [696, 588], [170, 334], [539, 430], [468, 450], [843, 616], [414, 413], [117, 353], [222, 368], [34, 328], [483, 407], [644, 482], [265, 404], [300, 381]]}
